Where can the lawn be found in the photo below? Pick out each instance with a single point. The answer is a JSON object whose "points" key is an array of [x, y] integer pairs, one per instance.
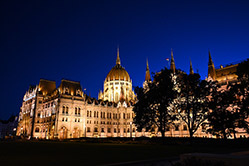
{"points": [[88, 153]]}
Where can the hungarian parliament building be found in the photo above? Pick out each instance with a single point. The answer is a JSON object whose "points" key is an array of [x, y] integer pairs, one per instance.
{"points": [[50, 112]]}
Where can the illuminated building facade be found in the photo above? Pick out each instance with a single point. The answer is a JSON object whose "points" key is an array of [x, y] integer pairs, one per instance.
{"points": [[50, 112], [66, 112]]}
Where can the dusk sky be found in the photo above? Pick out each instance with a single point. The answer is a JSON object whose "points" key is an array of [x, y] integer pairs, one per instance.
{"points": [[77, 40]]}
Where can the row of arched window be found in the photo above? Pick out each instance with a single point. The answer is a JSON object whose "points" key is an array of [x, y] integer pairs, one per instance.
{"points": [[115, 130], [65, 110]]}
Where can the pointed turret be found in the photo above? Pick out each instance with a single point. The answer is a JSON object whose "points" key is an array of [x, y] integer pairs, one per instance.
{"points": [[118, 59], [210, 61], [191, 71], [147, 73], [172, 63], [211, 68]]}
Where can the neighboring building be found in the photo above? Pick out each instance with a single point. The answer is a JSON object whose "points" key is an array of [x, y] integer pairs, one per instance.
{"points": [[222, 74], [8, 127]]}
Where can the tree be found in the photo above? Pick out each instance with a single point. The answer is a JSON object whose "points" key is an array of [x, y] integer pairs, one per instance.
{"points": [[151, 108], [243, 70], [192, 103], [230, 105], [228, 112]]}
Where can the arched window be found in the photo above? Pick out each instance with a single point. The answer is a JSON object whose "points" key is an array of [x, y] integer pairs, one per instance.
{"points": [[37, 129], [90, 113], [67, 91], [78, 111], [133, 130], [63, 109], [66, 110], [97, 114], [87, 113], [94, 114], [78, 92]]}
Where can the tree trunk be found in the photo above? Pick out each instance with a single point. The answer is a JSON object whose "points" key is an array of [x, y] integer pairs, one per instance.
{"points": [[163, 133], [191, 137], [234, 134], [224, 134]]}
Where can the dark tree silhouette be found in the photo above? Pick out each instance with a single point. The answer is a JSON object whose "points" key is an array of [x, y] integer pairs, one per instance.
{"points": [[192, 104], [151, 108], [228, 112]]}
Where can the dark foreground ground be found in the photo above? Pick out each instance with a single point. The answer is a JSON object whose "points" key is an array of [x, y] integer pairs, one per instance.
{"points": [[107, 151]]}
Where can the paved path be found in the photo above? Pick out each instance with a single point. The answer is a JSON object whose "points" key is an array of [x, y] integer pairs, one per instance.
{"points": [[159, 162]]}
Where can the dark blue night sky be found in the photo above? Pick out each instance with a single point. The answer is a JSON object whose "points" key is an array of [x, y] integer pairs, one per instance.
{"points": [[77, 40]]}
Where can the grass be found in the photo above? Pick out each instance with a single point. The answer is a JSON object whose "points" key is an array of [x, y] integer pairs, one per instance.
{"points": [[92, 153]]}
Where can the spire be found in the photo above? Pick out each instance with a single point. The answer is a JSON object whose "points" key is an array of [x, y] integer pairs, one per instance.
{"points": [[147, 73], [211, 68], [191, 71], [118, 59], [210, 61], [147, 65], [172, 62]]}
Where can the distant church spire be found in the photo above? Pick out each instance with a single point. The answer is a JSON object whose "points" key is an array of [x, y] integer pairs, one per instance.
{"points": [[210, 61], [172, 62], [211, 68], [147, 74], [118, 59], [191, 71]]}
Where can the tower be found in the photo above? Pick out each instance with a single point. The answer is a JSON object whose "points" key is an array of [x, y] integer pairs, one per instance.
{"points": [[211, 68], [118, 84], [147, 77], [147, 73], [191, 71], [172, 63]]}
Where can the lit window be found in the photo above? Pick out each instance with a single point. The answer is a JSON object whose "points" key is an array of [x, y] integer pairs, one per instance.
{"points": [[37, 129]]}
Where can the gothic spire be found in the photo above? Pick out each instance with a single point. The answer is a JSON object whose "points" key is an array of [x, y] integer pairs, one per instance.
{"points": [[172, 62], [210, 61], [211, 68], [191, 71], [118, 59], [147, 73]]}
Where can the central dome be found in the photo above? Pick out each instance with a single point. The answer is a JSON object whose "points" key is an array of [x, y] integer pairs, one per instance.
{"points": [[118, 72]]}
